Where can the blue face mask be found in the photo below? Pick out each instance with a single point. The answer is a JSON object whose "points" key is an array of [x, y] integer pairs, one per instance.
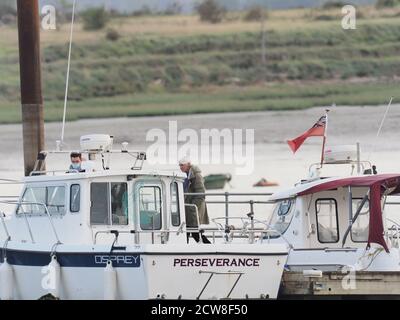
{"points": [[76, 166]]}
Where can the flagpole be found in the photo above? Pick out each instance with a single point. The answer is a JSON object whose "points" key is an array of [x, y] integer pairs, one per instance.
{"points": [[325, 136]]}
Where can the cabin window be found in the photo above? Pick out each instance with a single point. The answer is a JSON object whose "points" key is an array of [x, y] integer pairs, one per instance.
{"points": [[55, 200], [35, 199], [119, 203], [109, 203], [327, 220], [99, 198], [281, 217], [150, 207], [75, 198], [360, 227], [175, 215]]}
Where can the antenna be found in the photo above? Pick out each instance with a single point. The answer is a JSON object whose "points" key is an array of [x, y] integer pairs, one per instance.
{"points": [[68, 71], [380, 128]]}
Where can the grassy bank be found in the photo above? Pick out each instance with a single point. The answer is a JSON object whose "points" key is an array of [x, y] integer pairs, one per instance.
{"points": [[216, 99], [175, 65]]}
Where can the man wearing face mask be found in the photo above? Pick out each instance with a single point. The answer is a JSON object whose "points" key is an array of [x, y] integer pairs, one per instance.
{"points": [[76, 162]]}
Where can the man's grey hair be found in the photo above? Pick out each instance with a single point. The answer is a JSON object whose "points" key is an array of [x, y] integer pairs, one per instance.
{"points": [[185, 160]]}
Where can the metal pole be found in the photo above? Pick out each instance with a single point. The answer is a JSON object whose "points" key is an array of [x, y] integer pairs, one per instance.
{"points": [[350, 202], [251, 215], [358, 158], [226, 215], [31, 83]]}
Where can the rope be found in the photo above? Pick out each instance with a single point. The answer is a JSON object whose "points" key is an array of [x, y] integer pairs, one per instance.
{"points": [[68, 71]]}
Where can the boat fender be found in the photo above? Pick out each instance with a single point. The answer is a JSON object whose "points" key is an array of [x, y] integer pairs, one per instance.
{"points": [[55, 272], [312, 273], [6, 281], [110, 282]]}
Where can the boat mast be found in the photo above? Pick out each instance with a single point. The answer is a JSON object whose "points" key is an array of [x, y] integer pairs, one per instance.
{"points": [[31, 84]]}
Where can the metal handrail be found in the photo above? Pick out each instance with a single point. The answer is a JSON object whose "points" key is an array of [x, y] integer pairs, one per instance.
{"points": [[19, 203], [362, 163], [161, 231], [227, 202], [242, 202], [45, 172], [227, 193], [266, 230]]}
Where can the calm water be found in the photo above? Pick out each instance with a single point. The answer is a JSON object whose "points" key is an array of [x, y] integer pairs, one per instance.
{"points": [[273, 159]]}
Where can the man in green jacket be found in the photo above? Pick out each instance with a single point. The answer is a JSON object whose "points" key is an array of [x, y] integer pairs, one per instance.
{"points": [[194, 183]]}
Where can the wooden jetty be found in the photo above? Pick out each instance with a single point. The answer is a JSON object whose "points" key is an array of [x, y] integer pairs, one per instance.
{"points": [[364, 285]]}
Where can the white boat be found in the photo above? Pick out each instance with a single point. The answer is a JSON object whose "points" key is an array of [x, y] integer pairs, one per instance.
{"points": [[340, 222], [121, 234]]}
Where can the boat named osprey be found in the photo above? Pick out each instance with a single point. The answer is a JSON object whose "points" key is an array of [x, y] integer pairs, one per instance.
{"points": [[121, 234]]}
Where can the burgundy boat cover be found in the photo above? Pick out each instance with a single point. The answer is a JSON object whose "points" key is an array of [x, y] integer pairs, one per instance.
{"points": [[377, 184]]}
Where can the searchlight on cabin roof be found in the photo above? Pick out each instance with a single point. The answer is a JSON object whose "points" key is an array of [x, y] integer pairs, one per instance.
{"points": [[340, 154]]}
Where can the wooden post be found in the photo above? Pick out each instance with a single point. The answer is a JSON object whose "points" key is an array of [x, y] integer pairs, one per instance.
{"points": [[31, 84]]}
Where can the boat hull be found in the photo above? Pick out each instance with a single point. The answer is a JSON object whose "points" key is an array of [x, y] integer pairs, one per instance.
{"points": [[149, 271]]}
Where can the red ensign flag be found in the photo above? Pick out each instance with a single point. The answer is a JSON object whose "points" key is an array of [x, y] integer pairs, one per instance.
{"points": [[317, 130]]}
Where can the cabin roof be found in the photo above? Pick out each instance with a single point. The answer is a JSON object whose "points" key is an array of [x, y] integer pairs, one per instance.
{"points": [[324, 184], [103, 174]]}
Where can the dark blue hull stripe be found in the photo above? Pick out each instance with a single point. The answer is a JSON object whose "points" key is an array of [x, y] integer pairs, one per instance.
{"points": [[99, 259], [78, 259]]}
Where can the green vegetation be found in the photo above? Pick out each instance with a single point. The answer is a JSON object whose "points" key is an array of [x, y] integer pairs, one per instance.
{"points": [[153, 66], [211, 11], [136, 65], [8, 12], [387, 3], [333, 4], [256, 13], [274, 97], [94, 18]]}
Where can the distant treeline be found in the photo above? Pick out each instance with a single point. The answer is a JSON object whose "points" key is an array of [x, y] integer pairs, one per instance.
{"points": [[188, 6]]}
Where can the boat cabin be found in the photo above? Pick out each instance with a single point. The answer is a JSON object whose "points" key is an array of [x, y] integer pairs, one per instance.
{"points": [[341, 212], [92, 207], [99, 206]]}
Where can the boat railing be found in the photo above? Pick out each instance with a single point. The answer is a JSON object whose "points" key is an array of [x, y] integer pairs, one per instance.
{"points": [[246, 231], [20, 205], [227, 202], [138, 159], [137, 233], [362, 165], [51, 172]]}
